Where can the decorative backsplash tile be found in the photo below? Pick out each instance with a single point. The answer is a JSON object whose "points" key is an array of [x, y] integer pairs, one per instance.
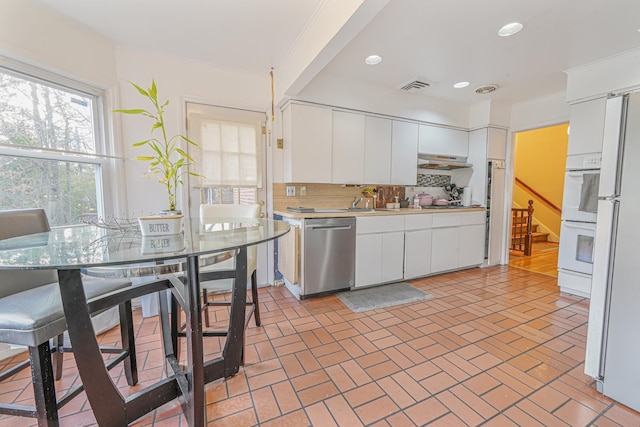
{"points": [[433, 180]]}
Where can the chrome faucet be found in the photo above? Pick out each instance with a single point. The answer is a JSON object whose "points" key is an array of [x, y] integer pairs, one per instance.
{"points": [[355, 202]]}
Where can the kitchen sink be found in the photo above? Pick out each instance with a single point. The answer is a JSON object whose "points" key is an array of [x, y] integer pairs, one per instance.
{"points": [[361, 210], [328, 210]]}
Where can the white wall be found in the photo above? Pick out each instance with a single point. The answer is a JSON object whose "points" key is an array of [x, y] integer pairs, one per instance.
{"points": [[615, 74], [33, 36], [178, 80], [540, 112]]}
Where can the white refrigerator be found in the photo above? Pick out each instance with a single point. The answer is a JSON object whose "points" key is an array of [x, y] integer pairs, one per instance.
{"points": [[613, 338]]}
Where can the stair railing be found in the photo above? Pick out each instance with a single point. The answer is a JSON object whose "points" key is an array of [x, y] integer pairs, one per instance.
{"points": [[521, 226]]}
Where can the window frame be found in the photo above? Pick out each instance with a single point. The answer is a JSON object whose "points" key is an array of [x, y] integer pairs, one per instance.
{"points": [[107, 157], [196, 110]]}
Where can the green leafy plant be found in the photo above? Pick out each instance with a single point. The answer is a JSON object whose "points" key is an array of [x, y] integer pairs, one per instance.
{"points": [[169, 160]]}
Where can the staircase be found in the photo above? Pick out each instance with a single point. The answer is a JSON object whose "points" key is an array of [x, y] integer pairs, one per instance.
{"points": [[536, 236], [523, 231]]}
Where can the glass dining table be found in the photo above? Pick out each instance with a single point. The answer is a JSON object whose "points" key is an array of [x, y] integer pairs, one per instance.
{"points": [[172, 262]]}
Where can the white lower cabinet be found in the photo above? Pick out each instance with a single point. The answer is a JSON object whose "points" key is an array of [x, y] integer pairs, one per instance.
{"points": [[392, 256], [417, 253], [417, 245], [473, 228], [379, 249], [457, 240], [445, 247], [368, 258], [396, 247], [471, 245]]}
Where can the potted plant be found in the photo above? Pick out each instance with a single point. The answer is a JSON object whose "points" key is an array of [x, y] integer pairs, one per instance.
{"points": [[168, 163]]}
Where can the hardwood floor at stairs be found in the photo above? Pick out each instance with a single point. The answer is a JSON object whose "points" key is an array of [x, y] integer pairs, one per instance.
{"points": [[544, 259]]}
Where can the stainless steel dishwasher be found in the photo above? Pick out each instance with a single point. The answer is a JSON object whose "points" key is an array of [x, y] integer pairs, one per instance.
{"points": [[329, 255]]}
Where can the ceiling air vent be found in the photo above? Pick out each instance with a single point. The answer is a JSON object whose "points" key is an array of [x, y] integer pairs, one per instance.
{"points": [[482, 90], [414, 85]]}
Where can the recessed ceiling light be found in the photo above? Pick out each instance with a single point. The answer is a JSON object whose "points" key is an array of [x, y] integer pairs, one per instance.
{"points": [[373, 59], [460, 85], [510, 29]]}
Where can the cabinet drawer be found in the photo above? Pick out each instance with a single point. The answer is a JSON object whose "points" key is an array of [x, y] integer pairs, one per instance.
{"points": [[418, 222], [446, 220], [379, 224], [472, 218]]}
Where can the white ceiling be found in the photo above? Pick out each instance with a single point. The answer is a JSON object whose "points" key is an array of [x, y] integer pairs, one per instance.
{"points": [[442, 41]]}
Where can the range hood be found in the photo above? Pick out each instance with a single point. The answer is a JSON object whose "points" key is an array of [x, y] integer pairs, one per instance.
{"points": [[441, 162]]}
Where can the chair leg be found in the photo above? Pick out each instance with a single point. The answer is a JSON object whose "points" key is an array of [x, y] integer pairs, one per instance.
{"points": [[175, 325], [44, 390], [205, 306], [254, 295], [128, 343], [57, 356]]}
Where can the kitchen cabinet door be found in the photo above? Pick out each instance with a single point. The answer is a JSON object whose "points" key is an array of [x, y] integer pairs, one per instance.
{"points": [[404, 153], [392, 261], [587, 127], [445, 247], [307, 132], [417, 253], [377, 150], [368, 256], [347, 149], [471, 244], [444, 141]]}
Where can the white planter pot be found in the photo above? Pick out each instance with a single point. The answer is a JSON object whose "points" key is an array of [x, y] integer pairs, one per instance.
{"points": [[160, 225]]}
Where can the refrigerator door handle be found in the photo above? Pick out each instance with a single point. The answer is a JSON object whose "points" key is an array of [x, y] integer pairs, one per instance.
{"points": [[604, 246], [611, 145], [613, 198]]}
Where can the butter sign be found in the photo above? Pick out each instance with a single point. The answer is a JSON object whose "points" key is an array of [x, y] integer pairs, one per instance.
{"points": [[163, 244], [160, 227], [157, 226], [160, 243]]}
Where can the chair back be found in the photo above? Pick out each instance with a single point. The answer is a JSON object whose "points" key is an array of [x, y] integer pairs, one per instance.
{"points": [[21, 222], [234, 211]]}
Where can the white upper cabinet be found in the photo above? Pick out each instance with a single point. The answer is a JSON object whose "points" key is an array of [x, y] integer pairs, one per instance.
{"points": [[444, 141], [377, 150], [347, 165], [586, 122], [307, 133], [404, 153]]}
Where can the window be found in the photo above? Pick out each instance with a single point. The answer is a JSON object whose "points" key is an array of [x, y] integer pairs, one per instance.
{"points": [[51, 145], [230, 154]]}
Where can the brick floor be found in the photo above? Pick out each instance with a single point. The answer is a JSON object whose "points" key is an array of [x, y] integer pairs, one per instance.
{"points": [[498, 347]]}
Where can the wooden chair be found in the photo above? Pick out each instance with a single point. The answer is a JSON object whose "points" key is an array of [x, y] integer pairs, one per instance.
{"points": [[31, 315], [224, 285]]}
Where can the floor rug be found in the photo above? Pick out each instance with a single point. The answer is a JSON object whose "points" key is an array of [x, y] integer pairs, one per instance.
{"points": [[382, 296]]}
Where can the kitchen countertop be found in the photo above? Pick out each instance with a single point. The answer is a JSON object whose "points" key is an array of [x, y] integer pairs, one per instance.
{"points": [[376, 212]]}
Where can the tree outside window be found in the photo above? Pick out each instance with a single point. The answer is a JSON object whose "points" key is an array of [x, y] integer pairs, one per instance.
{"points": [[48, 155]]}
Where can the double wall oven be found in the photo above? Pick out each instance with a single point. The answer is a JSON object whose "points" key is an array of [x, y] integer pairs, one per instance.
{"points": [[577, 233]]}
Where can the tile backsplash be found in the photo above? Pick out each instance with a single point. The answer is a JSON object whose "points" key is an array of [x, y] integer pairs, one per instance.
{"points": [[428, 180]]}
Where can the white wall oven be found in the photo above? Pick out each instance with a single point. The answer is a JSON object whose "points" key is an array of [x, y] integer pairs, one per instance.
{"points": [[580, 198], [576, 251], [577, 232]]}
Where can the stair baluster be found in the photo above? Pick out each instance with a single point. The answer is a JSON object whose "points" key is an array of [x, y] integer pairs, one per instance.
{"points": [[522, 229]]}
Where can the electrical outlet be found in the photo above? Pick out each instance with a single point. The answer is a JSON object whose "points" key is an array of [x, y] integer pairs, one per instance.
{"points": [[303, 190], [291, 190]]}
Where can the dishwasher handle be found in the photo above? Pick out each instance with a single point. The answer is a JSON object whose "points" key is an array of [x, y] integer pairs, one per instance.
{"points": [[330, 227]]}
